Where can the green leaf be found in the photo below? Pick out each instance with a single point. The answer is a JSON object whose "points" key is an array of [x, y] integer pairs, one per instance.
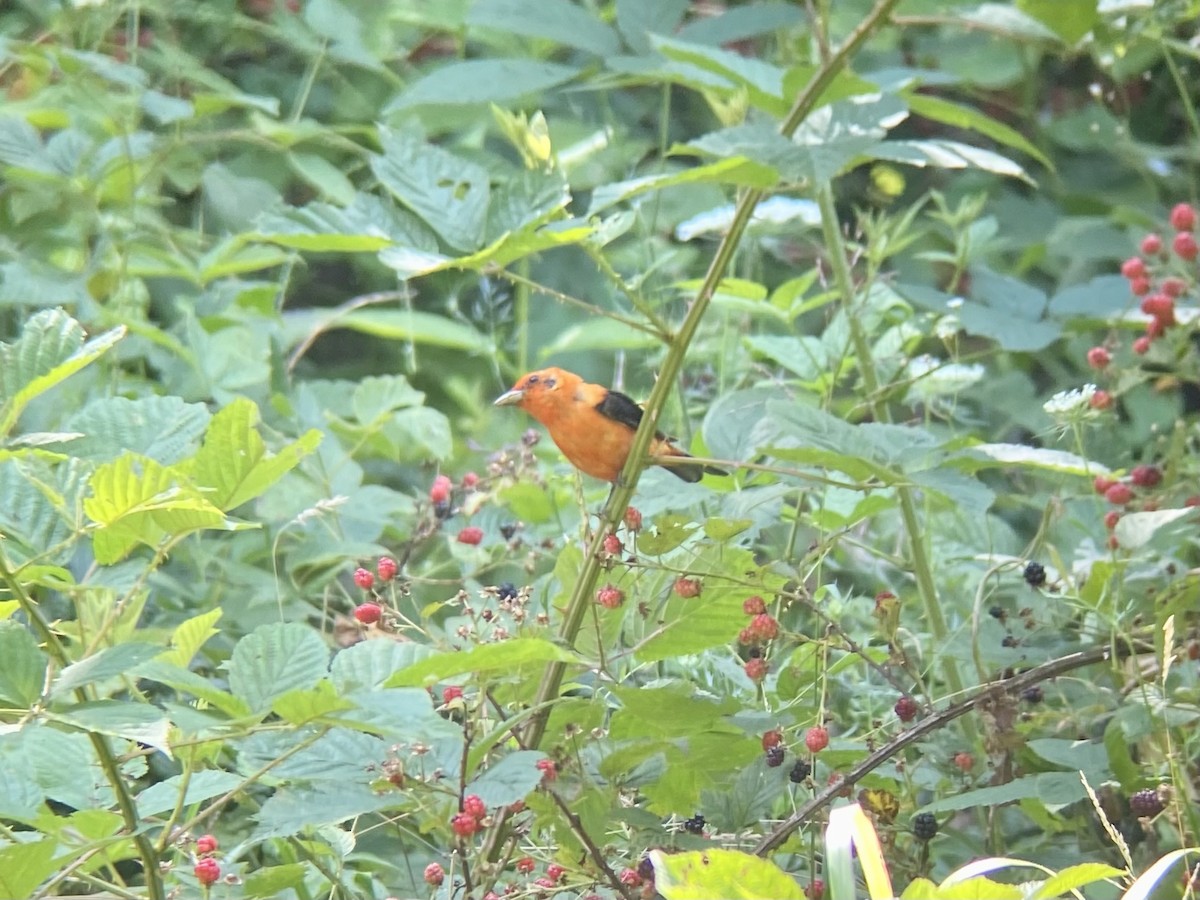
{"points": [[1069, 19], [485, 658], [446, 192], [982, 456], [108, 663], [165, 429], [24, 866], [763, 82], [1074, 877], [1001, 308], [638, 20], [737, 23], [839, 134], [735, 171], [377, 396], [1051, 788], [201, 786], [943, 154], [138, 722], [324, 176], [300, 707], [368, 224], [50, 349], [136, 500], [509, 780], [597, 334], [759, 142], [275, 881], [189, 636], [957, 115], [233, 465], [391, 324], [368, 664], [23, 674], [731, 874], [296, 807], [1120, 759], [557, 20], [1136, 529], [275, 659], [479, 81]]}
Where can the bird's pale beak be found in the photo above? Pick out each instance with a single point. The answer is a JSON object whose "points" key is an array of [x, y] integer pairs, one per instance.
{"points": [[510, 398]]}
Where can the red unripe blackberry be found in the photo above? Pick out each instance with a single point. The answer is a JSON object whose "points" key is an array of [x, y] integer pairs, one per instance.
{"points": [[1141, 346], [756, 669], [1174, 287], [815, 889], [1119, 494], [1102, 399], [1145, 476], [1139, 286], [364, 579], [610, 597], [964, 760], [451, 693], [612, 544], [368, 613], [1101, 484], [555, 872], [386, 568], [630, 877], [1158, 305], [765, 627], [754, 606], [434, 874], [464, 825], [525, 865], [470, 480], [206, 843], [548, 768], [816, 739], [1111, 518], [906, 709], [1099, 358], [1151, 245], [1183, 217], [474, 806], [633, 519], [1185, 246], [207, 870], [1134, 267], [687, 588], [439, 491], [470, 535], [772, 738]]}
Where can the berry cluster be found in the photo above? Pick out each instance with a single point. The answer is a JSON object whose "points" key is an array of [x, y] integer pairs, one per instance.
{"points": [[207, 869], [1160, 277], [471, 819]]}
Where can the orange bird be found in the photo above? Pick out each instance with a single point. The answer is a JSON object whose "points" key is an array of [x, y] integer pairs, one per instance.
{"points": [[591, 425]]}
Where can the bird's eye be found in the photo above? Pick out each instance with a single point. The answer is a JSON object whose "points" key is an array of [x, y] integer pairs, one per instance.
{"points": [[550, 382], [533, 379]]}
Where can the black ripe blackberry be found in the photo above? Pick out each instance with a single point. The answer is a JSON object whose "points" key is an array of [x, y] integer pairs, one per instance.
{"points": [[775, 755], [997, 612], [1145, 803], [1033, 694], [800, 771], [694, 825], [1035, 574], [507, 591], [925, 826], [508, 529]]}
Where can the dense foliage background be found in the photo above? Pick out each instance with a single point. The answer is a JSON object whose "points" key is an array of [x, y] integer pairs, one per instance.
{"points": [[287, 609]]}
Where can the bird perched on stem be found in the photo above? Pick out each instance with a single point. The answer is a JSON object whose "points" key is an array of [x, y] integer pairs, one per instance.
{"points": [[592, 425]]}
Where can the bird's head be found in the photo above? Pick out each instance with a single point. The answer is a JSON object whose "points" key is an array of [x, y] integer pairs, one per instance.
{"points": [[538, 392]]}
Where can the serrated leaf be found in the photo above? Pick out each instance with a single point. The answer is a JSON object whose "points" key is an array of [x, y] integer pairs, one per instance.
{"points": [[736, 171], [368, 665], [390, 324], [1074, 877], [275, 659], [51, 349], [368, 224], [200, 786], [1069, 19], [958, 115], [323, 175], [702, 875], [557, 20], [23, 674], [1054, 788], [138, 722], [481, 81], [486, 658], [296, 808], [275, 881], [23, 867], [509, 780], [448, 193], [233, 465], [302, 706], [189, 636], [136, 500], [944, 154], [762, 81], [1136, 529], [1033, 457], [165, 429], [108, 663]]}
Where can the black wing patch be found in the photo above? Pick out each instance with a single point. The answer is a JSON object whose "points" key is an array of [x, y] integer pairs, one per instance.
{"points": [[620, 408]]}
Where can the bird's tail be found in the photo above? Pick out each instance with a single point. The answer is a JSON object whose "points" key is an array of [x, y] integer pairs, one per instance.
{"points": [[689, 473]]}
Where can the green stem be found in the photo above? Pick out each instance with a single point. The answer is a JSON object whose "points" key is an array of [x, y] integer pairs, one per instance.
{"points": [[618, 500], [104, 753]]}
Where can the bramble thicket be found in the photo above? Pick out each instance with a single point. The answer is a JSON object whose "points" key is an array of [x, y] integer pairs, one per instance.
{"points": [[288, 608]]}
